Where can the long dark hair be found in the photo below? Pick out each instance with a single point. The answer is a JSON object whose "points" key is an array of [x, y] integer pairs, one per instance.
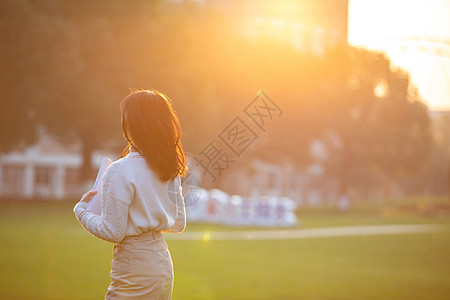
{"points": [[151, 127]]}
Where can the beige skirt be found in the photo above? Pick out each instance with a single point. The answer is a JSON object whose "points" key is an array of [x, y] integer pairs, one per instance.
{"points": [[141, 268]]}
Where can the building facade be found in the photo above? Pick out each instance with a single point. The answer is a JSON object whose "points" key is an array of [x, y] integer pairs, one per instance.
{"points": [[46, 170]]}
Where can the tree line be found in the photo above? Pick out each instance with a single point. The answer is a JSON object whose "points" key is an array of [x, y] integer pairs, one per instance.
{"points": [[66, 65]]}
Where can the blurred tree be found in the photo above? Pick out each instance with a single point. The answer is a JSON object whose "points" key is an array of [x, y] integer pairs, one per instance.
{"points": [[67, 65], [434, 178], [70, 63], [19, 83], [439, 170], [58, 74], [373, 119], [368, 115], [242, 67]]}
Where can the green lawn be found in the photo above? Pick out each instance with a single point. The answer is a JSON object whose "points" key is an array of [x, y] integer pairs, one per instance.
{"points": [[45, 254]]}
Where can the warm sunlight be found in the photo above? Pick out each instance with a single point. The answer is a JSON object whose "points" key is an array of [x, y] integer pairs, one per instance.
{"points": [[307, 25], [415, 35], [206, 237], [225, 149]]}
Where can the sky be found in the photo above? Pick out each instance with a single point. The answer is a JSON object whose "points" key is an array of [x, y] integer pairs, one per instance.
{"points": [[415, 34]]}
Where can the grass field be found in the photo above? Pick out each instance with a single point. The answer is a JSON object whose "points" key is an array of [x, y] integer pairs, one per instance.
{"points": [[45, 254]]}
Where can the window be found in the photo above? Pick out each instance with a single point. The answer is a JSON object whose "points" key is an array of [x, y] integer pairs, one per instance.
{"points": [[12, 180], [71, 183], [71, 176], [43, 181], [42, 176]]}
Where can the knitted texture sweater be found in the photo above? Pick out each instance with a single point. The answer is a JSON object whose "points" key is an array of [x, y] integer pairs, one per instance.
{"points": [[134, 200]]}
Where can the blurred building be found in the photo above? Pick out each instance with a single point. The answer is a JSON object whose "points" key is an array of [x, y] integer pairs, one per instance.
{"points": [[307, 187], [47, 170]]}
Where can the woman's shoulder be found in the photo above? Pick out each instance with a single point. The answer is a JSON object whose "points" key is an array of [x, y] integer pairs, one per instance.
{"points": [[127, 166], [119, 179], [115, 165], [119, 166]]}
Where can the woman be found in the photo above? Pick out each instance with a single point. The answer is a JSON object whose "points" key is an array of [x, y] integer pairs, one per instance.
{"points": [[139, 200]]}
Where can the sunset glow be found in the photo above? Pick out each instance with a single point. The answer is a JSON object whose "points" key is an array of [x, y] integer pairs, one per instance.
{"points": [[414, 34]]}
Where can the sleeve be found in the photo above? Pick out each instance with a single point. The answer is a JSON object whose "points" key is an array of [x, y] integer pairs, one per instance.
{"points": [[180, 221], [111, 225]]}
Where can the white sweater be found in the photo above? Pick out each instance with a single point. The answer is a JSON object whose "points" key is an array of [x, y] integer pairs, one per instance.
{"points": [[134, 200]]}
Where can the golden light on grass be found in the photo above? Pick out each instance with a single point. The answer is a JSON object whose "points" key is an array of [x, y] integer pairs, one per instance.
{"points": [[206, 237]]}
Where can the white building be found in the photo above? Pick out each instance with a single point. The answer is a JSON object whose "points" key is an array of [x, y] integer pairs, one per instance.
{"points": [[45, 170]]}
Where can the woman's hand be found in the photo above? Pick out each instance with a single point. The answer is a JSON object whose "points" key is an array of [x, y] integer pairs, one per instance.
{"points": [[88, 196]]}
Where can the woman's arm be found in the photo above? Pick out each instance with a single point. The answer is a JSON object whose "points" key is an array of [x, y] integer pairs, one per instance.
{"points": [[111, 225]]}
